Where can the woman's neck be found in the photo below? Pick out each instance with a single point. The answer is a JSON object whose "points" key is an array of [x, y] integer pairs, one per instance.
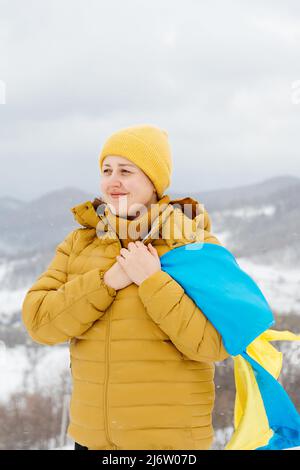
{"points": [[153, 200]]}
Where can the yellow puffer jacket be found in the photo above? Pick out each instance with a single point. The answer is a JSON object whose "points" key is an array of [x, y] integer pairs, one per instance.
{"points": [[142, 358]]}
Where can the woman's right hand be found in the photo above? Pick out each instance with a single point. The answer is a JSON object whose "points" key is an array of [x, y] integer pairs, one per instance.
{"points": [[116, 277]]}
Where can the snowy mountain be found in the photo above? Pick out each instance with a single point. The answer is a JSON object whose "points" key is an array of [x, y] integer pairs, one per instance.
{"points": [[259, 221], [35, 226]]}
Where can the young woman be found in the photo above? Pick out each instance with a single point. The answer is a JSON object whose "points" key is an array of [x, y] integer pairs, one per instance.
{"points": [[142, 353]]}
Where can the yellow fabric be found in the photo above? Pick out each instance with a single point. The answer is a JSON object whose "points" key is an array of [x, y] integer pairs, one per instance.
{"points": [[142, 358], [251, 427], [136, 229], [147, 146]]}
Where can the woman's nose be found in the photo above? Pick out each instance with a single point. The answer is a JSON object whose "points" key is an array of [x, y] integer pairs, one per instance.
{"points": [[114, 177]]}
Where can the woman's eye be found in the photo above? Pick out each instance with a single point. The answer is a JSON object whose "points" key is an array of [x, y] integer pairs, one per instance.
{"points": [[126, 171]]}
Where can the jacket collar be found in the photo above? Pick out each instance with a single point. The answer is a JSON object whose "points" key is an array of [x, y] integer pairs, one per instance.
{"points": [[178, 213]]}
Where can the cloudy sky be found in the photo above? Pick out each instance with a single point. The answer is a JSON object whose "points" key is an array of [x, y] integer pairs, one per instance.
{"points": [[222, 77]]}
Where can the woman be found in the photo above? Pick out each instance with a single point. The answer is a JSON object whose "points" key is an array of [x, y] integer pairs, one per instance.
{"points": [[142, 353]]}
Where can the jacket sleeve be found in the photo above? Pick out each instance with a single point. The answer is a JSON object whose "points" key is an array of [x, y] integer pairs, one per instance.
{"points": [[180, 318], [55, 310]]}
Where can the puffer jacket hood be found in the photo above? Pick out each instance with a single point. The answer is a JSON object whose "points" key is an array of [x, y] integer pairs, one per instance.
{"points": [[142, 358]]}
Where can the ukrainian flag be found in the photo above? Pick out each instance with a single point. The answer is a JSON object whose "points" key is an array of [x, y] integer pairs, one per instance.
{"points": [[264, 416]]}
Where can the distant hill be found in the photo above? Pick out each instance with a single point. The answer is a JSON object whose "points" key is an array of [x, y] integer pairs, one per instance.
{"points": [[40, 223], [259, 221]]}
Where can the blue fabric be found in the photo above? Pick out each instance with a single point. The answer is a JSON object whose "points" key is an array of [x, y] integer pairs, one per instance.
{"points": [[229, 297], [234, 304], [284, 419]]}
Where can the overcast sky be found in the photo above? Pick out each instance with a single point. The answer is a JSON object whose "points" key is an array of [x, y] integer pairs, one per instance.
{"points": [[222, 77]]}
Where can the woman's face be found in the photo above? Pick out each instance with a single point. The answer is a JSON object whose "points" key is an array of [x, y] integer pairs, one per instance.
{"points": [[120, 175]]}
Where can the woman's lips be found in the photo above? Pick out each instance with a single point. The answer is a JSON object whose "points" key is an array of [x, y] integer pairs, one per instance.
{"points": [[115, 196]]}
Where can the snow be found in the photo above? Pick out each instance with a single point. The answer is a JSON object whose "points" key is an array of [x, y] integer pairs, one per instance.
{"points": [[280, 286], [50, 367], [13, 363], [43, 368], [247, 212], [10, 302], [221, 438]]}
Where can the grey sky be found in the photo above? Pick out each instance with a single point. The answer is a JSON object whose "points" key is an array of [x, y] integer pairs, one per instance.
{"points": [[216, 75]]}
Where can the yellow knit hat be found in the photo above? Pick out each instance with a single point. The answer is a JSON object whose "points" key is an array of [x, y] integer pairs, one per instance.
{"points": [[147, 147]]}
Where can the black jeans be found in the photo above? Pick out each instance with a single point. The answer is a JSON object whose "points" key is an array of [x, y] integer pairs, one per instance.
{"points": [[79, 447]]}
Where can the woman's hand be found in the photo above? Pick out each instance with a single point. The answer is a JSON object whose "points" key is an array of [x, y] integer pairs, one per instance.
{"points": [[116, 277], [139, 261]]}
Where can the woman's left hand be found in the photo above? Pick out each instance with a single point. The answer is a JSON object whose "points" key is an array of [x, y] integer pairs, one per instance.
{"points": [[139, 261]]}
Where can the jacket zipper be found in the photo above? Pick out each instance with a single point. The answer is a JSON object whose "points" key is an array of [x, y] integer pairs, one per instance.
{"points": [[107, 355], [107, 343]]}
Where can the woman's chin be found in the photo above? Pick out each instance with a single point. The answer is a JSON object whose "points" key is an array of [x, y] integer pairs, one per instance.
{"points": [[119, 211]]}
